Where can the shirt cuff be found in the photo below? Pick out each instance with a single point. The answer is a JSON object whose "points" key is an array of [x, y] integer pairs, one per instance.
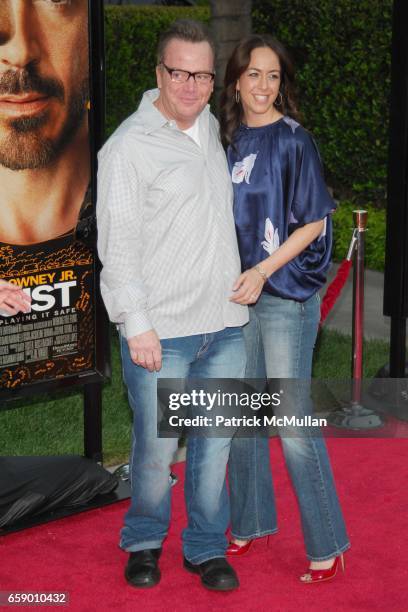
{"points": [[136, 323]]}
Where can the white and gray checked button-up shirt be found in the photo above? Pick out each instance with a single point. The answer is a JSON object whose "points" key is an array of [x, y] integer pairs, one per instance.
{"points": [[166, 233]]}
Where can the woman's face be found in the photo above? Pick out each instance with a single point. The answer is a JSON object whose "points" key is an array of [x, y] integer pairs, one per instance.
{"points": [[258, 87]]}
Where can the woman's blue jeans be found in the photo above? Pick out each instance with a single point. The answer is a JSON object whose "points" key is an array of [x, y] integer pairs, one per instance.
{"points": [[280, 338], [214, 355]]}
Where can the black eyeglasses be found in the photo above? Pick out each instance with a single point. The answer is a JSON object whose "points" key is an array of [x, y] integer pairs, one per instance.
{"points": [[182, 76]]}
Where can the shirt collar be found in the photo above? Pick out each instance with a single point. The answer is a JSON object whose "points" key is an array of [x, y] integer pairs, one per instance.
{"points": [[153, 119]]}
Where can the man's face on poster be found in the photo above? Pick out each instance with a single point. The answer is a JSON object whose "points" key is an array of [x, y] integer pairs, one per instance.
{"points": [[43, 79]]}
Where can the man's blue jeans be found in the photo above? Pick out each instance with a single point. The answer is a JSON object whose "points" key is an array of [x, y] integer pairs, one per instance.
{"points": [[214, 355], [280, 338]]}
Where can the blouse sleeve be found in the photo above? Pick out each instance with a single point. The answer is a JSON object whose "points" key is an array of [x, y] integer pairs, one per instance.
{"points": [[311, 200]]}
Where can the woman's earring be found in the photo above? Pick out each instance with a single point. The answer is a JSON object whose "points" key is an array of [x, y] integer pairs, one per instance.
{"points": [[276, 103], [237, 98]]}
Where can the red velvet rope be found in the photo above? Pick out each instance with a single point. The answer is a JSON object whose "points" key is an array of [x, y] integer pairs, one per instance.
{"points": [[334, 289]]}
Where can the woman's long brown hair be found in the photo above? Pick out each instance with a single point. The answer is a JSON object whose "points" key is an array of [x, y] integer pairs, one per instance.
{"points": [[231, 112]]}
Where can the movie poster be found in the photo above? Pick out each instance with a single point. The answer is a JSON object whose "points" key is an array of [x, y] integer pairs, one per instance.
{"points": [[47, 233]]}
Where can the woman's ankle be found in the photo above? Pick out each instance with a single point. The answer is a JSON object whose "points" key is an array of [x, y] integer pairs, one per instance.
{"points": [[239, 542], [326, 564]]}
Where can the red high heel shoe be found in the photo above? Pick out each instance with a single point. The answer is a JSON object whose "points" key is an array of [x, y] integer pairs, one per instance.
{"points": [[235, 550], [321, 575]]}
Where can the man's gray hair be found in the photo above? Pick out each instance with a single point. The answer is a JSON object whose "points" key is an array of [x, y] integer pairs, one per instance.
{"points": [[187, 30]]}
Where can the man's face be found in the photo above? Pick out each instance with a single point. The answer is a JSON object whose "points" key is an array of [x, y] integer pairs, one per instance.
{"points": [[43, 79], [183, 102]]}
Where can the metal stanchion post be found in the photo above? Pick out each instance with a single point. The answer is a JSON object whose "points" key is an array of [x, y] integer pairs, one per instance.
{"points": [[360, 224], [356, 416]]}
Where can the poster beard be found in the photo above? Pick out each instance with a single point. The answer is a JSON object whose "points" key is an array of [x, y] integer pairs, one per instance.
{"points": [[22, 147]]}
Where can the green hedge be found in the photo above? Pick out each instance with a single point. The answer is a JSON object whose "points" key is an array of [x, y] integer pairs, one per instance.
{"points": [[342, 52], [131, 37]]}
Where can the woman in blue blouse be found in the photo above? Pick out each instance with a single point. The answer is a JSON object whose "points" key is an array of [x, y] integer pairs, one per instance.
{"points": [[282, 213]]}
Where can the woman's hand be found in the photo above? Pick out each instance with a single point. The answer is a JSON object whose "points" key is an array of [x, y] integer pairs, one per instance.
{"points": [[13, 299], [248, 287]]}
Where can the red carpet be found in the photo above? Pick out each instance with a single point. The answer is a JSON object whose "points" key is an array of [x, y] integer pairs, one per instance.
{"points": [[80, 554]]}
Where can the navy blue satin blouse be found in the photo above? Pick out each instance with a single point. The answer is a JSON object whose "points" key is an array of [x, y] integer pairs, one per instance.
{"points": [[279, 187]]}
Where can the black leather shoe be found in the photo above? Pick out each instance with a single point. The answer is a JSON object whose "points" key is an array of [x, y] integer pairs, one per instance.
{"points": [[216, 574], [142, 569]]}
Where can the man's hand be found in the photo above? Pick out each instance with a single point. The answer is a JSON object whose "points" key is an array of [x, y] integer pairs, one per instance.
{"points": [[145, 350], [13, 299]]}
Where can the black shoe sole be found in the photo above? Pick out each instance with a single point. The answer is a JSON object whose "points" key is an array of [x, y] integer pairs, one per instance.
{"points": [[145, 585], [193, 569]]}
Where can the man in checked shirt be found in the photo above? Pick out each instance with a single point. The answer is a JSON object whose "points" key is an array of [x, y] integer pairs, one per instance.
{"points": [[168, 248]]}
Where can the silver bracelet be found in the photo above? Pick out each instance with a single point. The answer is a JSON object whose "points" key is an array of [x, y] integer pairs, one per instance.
{"points": [[261, 272]]}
